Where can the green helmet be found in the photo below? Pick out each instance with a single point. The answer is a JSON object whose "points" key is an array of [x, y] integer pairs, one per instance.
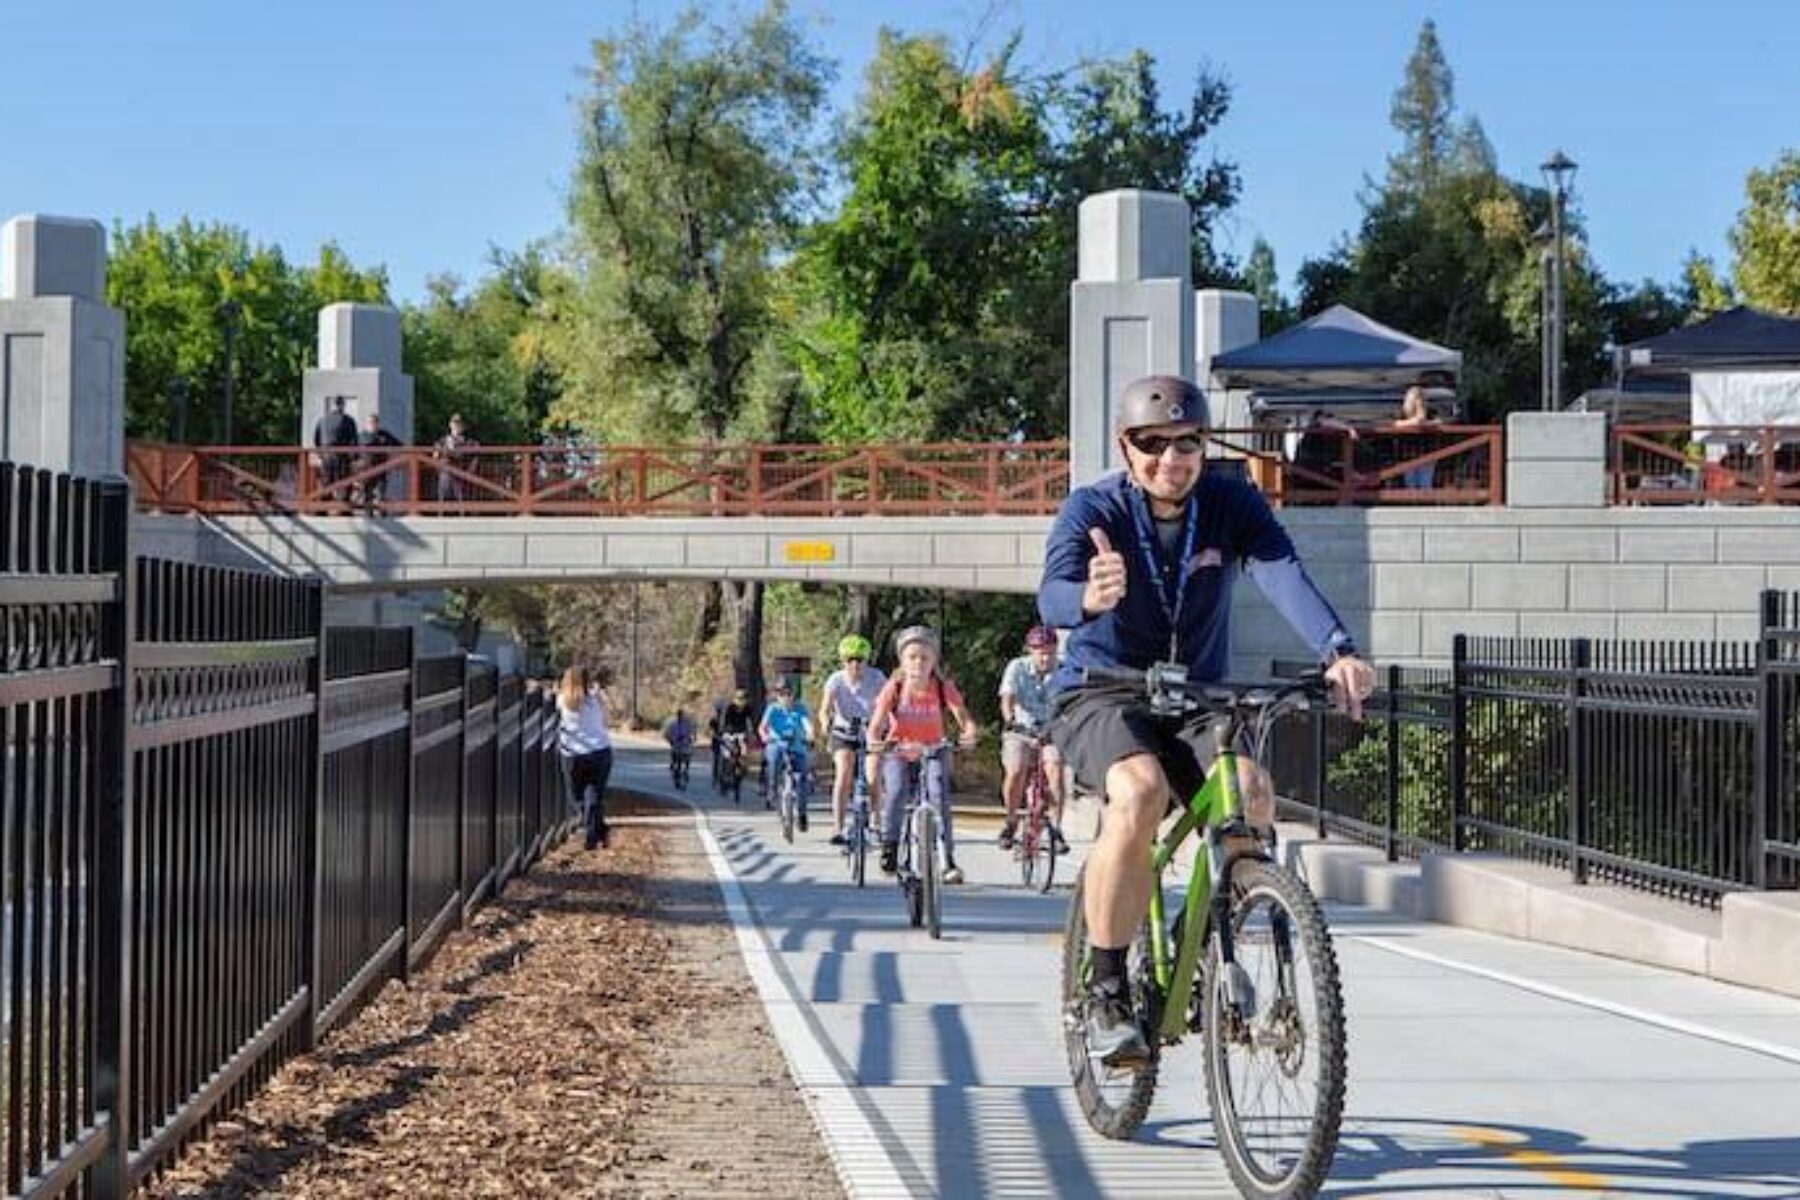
{"points": [[854, 645]]}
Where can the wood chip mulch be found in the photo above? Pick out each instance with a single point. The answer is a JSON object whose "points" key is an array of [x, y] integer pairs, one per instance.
{"points": [[583, 1036]]}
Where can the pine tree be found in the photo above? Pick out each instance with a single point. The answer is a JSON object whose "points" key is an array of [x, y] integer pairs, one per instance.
{"points": [[1424, 112]]}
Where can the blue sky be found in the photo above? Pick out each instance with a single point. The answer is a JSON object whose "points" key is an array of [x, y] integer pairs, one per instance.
{"points": [[419, 134]]}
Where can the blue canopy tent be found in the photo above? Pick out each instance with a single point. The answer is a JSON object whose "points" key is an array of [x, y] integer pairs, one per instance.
{"points": [[1341, 361]]}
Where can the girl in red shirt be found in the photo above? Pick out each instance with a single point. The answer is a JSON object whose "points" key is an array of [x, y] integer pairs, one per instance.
{"points": [[910, 710]]}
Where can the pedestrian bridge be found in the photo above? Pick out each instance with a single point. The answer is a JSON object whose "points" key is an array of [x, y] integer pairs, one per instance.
{"points": [[958, 516], [401, 553]]}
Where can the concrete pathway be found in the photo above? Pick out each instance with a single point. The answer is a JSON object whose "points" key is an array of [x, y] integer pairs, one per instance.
{"points": [[1479, 1066]]}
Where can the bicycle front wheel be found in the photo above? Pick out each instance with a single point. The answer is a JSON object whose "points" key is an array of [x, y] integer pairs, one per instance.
{"points": [[932, 888], [1273, 1037], [786, 804], [859, 849]]}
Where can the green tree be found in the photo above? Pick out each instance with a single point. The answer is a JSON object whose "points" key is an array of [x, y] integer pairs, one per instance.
{"points": [[696, 165], [1703, 290], [1450, 250], [483, 353], [913, 287], [1113, 132], [936, 299], [174, 284], [1765, 241], [1423, 112], [1263, 281]]}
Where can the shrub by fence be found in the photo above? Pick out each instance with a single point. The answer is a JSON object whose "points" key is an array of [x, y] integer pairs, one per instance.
{"points": [[1668, 767], [224, 826]]}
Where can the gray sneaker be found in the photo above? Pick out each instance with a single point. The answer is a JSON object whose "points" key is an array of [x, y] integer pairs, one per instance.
{"points": [[1112, 1034]]}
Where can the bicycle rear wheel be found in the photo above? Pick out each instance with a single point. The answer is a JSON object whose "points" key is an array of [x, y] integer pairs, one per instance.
{"points": [[1273, 1037], [1114, 1100], [1037, 850]]}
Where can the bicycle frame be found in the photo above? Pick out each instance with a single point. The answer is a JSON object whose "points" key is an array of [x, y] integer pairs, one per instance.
{"points": [[1215, 803]]}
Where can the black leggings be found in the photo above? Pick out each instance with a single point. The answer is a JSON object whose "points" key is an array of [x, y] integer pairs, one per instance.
{"points": [[584, 781]]}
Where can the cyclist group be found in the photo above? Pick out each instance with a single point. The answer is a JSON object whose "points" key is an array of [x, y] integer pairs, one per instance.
{"points": [[1138, 571], [865, 714]]}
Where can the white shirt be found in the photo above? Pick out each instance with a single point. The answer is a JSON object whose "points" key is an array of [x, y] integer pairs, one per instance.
{"points": [[856, 703], [582, 730]]}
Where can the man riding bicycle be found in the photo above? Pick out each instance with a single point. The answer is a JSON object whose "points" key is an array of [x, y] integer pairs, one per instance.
{"points": [[1025, 714], [1139, 565], [731, 730], [850, 694], [786, 729]]}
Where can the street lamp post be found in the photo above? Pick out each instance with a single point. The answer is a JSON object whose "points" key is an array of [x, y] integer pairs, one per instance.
{"points": [[632, 720], [1559, 173]]}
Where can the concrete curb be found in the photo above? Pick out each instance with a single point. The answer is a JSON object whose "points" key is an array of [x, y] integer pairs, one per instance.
{"points": [[1753, 939]]}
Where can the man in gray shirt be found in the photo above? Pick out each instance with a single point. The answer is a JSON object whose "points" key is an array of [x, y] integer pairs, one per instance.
{"points": [[1025, 713]]}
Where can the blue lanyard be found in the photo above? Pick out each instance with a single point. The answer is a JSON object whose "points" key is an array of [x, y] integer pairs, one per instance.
{"points": [[1167, 585]]}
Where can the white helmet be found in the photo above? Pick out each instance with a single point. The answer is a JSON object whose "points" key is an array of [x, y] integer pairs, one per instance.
{"points": [[917, 633]]}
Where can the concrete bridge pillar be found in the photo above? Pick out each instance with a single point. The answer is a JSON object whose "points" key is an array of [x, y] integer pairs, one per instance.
{"points": [[62, 348], [359, 357], [1131, 311]]}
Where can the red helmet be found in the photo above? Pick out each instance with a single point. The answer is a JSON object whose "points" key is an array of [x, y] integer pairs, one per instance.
{"points": [[1040, 637]]}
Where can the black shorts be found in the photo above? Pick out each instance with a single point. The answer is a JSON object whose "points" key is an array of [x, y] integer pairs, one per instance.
{"points": [[1095, 727]]}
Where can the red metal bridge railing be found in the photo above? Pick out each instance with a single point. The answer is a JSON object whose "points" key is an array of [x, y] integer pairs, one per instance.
{"points": [[607, 481], [1460, 465]]}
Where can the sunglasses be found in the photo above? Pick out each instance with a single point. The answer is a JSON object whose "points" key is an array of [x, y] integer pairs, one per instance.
{"points": [[1154, 444], [850, 658]]}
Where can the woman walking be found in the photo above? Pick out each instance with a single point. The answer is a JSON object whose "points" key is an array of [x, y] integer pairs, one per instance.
{"points": [[586, 750]]}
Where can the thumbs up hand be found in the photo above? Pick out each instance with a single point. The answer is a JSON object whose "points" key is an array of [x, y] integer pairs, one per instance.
{"points": [[1106, 576]]}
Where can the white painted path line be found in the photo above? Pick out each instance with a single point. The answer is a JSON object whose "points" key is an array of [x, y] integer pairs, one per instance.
{"points": [[1644, 1016], [865, 1167]]}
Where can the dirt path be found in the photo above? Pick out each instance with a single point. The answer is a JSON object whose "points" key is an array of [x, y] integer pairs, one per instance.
{"points": [[592, 1033]]}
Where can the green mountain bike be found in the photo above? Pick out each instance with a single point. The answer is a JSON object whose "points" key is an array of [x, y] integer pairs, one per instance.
{"points": [[1249, 966]]}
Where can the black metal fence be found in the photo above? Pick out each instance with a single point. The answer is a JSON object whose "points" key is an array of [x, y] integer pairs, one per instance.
{"points": [[1669, 767], [223, 827]]}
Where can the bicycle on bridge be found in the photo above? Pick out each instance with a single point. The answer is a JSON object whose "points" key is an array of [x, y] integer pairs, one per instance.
{"points": [[1247, 964]]}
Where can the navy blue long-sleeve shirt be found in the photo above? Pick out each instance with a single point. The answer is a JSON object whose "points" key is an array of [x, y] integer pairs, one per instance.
{"points": [[1232, 528]]}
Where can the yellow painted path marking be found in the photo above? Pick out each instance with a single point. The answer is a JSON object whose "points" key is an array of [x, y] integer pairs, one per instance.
{"points": [[1542, 1162]]}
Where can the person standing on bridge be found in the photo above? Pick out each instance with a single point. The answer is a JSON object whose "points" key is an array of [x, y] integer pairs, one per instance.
{"points": [[585, 749], [333, 437], [378, 446], [1139, 566], [451, 453]]}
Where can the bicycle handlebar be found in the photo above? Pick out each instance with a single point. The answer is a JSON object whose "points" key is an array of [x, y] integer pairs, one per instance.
{"points": [[1168, 684], [915, 749]]}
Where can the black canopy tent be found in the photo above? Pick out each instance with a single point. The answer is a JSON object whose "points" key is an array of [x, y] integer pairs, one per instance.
{"points": [[1338, 360], [1652, 377], [1738, 337]]}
